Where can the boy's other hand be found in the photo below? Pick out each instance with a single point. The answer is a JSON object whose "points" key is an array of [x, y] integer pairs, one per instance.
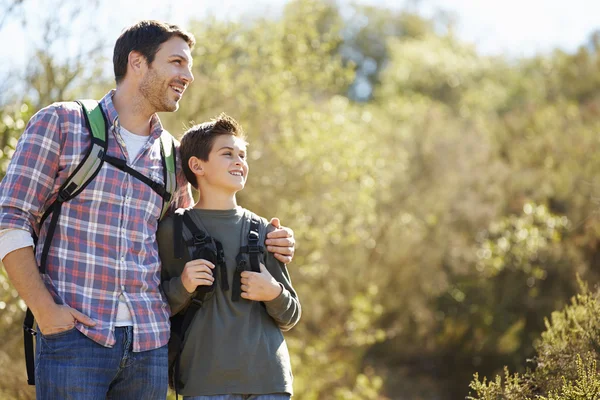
{"points": [[259, 286], [197, 273], [281, 242]]}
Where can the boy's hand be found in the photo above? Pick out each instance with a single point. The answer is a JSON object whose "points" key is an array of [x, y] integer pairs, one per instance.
{"points": [[281, 242], [197, 273], [259, 286]]}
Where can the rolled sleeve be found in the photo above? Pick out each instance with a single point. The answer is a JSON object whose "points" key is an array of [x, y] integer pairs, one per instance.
{"points": [[30, 176], [13, 239]]}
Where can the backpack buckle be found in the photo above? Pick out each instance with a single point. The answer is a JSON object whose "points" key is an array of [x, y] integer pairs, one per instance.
{"points": [[161, 191], [29, 330], [253, 242], [197, 302], [200, 238], [254, 249], [66, 193], [241, 265], [253, 236]]}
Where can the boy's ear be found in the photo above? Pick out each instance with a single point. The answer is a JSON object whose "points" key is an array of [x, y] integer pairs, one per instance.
{"points": [[195, 165]]}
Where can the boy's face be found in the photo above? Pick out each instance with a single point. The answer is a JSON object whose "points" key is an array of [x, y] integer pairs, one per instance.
{"points": [[167, 77], [226, 167]]}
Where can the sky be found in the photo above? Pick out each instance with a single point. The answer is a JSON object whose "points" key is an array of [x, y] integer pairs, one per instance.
{"points": [[522, 27], [512, 27]]}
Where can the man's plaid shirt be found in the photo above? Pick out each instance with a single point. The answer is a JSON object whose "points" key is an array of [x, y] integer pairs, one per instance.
{"points": [[105, 239]]}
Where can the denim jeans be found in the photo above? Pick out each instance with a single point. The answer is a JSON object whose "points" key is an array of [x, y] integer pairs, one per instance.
{"points": [[71, 366], [274, 396]]}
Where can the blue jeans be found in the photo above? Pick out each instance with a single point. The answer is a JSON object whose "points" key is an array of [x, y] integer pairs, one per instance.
{"points": [[274, 396], [71, 366]]}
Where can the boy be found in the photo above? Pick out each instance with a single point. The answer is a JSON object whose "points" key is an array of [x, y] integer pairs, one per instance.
{"points": [[233, 348]]}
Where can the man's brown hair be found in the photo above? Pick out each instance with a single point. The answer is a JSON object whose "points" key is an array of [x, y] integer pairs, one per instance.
{"points": [[146, 38]]}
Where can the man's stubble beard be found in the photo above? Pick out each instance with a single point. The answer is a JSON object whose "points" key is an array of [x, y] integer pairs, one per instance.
{"points": [[153, 91]]}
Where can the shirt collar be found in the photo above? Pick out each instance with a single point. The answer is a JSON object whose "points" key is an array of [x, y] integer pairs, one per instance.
{"points": [[108, 106]]}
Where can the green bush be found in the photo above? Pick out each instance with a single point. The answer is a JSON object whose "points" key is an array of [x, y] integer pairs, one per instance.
{"points": [[565, 365]]}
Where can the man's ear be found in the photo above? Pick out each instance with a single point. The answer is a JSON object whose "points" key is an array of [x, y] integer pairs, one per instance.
{"points": [[196, 165], [137, 62]]}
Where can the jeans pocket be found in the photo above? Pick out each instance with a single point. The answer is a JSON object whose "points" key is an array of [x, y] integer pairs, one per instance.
{"points": [[57, 335], [58, 342]]}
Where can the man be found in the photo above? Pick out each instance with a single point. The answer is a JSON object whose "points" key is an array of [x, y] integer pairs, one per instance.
{"points": [[102, 319]]}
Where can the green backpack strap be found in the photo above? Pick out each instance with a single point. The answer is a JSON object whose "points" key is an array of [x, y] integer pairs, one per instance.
{"points": [[95, 118], [168, 153], [92, 161], [85, 172]]}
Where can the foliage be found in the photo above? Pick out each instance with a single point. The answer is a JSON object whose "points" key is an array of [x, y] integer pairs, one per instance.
{"points": [[12, 122], [565, 364]]}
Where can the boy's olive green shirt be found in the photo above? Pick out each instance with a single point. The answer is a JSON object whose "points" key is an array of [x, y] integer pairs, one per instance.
{"points": [[230, 347]]}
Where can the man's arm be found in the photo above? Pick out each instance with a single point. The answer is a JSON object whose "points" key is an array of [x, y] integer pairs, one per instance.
{"points": [[23, 273], [24, 191]]}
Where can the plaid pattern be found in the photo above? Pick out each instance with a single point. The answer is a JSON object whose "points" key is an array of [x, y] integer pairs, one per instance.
{"points": [[105, 239]]}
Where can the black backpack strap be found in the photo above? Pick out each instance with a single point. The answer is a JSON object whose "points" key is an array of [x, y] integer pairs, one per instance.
{"points": [[241, 261], [205, 248], [222, 266], [123, 166], [167, 155], [178, 234], [251, 251], [56, 209], [28, 335], [254, 248]]}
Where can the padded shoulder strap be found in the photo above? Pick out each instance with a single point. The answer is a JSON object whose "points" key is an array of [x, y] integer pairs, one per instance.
{"points": [[253, 233], [178, 234], [95, 118], [92, 162], [169, 168], [85, 172], [255, 247], [254, 240]]}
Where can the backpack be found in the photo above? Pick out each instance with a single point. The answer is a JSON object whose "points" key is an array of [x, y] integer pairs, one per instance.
{"points": [[200, 244], [86, 171]]}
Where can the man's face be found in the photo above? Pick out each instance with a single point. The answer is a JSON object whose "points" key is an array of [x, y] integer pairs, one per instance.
{"points": [[168, 76], [226, 168]]}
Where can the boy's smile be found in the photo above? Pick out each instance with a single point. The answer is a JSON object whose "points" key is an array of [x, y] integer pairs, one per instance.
{"points": [[226, 167]]}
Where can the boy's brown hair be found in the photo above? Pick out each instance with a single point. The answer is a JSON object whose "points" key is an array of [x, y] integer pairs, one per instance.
{"points": [[198, 141]]}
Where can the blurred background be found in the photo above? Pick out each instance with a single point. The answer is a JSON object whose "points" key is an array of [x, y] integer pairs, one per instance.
{"points": [[437, 160]]}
